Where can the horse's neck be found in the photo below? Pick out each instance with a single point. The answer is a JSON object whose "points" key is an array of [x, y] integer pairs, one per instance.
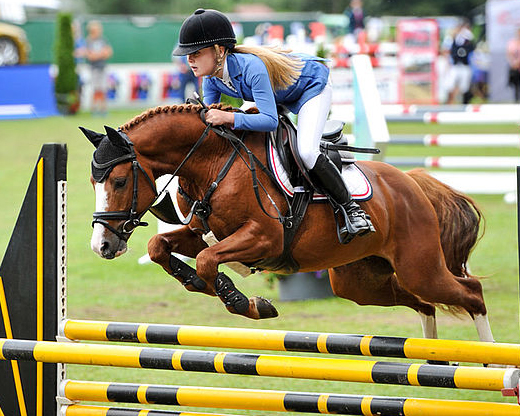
{"points": [[162, 143], [166, 143]]}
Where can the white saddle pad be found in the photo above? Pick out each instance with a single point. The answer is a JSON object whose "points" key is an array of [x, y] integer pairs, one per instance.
{"points": [[358, 184]]}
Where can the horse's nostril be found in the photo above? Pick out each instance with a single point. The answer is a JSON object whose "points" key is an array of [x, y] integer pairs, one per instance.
{"points": [[105, 246]]}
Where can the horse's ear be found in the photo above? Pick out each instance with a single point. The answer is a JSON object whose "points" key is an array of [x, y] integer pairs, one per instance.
{"points": [[115, 137], [92, 136]]}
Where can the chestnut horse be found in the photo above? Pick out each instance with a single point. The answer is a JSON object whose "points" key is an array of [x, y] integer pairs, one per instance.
{"points": [[417, 257]]}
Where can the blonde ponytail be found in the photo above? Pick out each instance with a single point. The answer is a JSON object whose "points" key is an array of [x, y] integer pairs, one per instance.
{"points": [[283, 69]]}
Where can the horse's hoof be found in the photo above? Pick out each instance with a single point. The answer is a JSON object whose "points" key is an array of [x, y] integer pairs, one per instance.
{"points": [[263, 307]]}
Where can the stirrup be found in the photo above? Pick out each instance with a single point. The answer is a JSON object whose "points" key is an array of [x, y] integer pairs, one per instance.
{"points": [[342, 231], [347, 232]]}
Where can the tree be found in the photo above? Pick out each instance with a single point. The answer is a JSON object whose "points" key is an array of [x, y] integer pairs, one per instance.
{"points": [[66, 83]]}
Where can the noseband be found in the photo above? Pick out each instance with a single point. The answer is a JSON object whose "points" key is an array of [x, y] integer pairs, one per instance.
{"points": [[132, 217]]}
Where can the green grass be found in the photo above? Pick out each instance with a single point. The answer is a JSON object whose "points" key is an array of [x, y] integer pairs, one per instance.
{"points": [[123, 290]]}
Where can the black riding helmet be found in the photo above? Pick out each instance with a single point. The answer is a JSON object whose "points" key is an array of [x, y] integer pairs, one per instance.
{"points": [[202, 29]]}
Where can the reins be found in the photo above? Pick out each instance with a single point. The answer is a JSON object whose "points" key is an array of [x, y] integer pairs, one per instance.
{"points": [[238, 143]]}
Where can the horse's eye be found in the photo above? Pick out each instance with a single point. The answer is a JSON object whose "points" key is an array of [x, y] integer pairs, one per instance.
{"points": [[119, 183]]}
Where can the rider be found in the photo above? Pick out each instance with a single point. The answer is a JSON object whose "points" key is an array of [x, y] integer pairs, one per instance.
{"points": [[269, 76]]}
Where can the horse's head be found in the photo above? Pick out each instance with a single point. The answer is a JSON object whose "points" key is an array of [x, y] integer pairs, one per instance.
{"points": [[124, 191]]}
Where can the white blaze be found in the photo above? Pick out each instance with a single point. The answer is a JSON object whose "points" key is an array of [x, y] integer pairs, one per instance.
{"points": [[99, 229]]}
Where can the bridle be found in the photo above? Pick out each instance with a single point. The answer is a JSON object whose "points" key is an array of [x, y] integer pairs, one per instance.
{"points": [[201, 208], [132, 217]]}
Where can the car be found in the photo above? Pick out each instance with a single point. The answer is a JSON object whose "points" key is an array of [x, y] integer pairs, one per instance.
{"points": [[14, 47]]}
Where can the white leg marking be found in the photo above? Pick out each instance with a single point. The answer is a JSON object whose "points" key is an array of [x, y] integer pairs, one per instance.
{"points": [[101, 205], [429, 325], [483, 328]]}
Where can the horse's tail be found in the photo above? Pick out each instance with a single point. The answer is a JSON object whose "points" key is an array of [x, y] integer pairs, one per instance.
{"points": [[459, 220]]}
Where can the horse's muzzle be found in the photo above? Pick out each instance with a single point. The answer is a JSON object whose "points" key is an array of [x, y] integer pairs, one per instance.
{"points": [[106, 244]]}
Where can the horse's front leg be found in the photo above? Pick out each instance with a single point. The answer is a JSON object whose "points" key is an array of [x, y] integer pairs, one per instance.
{"points": [[187, 243], [249, 243]]}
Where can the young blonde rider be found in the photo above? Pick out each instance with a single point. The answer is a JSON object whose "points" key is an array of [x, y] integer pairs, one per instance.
{"points": [[269, 77]]}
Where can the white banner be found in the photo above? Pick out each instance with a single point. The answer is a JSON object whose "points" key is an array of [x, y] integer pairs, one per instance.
{"points": [[387, 82]]}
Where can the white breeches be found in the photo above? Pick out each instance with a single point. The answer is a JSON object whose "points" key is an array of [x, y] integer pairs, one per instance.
{"points": [[311, 122]]}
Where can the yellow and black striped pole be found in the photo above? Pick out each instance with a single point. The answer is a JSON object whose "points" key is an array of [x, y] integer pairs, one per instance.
{"points": [[84, 410], [492, 379], [281, 401], [275, 340]]}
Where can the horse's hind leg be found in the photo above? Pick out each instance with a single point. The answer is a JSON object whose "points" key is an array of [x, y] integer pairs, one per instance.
{"points": [[426, 276], [429, 327], [483, 328], [372, 281]]}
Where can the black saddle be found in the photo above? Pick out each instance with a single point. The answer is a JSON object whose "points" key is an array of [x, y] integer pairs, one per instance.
{"points": [[333, 144]]}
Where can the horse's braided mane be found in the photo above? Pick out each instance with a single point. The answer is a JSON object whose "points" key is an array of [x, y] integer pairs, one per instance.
{"points": [[186, 108]]}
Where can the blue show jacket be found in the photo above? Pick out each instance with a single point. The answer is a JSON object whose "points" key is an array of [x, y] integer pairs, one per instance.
{"points": [[250, 78]]}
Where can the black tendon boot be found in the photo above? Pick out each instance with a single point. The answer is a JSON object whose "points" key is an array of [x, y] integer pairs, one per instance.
{"points": [[328, 178]]}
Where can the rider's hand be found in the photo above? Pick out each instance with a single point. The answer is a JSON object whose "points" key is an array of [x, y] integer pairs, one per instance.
{"points": [[218, 117]]}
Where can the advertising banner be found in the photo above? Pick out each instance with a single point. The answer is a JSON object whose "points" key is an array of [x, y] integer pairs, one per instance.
{"points": [[502, 23], [26, 91], [142, 85], [418, 41]]}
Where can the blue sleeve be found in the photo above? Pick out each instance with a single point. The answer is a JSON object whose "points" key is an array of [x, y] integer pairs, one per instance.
{"points": [[211, 95], [263, 96]]}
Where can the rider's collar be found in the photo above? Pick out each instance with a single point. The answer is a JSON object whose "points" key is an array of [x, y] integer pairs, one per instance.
{"points": [[226, 79]]}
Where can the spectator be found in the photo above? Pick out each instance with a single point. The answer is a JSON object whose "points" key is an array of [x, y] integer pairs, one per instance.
{"points": [[79, 52], [355, 17], [98, 50], [513, 59], [79, 42], [480, 63], [460, 73]]}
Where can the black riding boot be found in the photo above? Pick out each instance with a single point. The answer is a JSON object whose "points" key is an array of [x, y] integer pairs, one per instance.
{"points": [[328, 178]]}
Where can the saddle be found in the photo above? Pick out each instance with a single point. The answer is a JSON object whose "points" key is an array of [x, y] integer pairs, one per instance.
{"points": [[283, 140]]}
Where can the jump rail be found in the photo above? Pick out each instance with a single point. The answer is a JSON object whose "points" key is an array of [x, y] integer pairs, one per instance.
{"points": [[276, 340], [456, 162], [84, 410], [281, 401], [476, 378], [473, 140]]}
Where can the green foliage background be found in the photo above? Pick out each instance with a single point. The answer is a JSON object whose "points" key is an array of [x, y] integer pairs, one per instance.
{"points": [[372, 7]]}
